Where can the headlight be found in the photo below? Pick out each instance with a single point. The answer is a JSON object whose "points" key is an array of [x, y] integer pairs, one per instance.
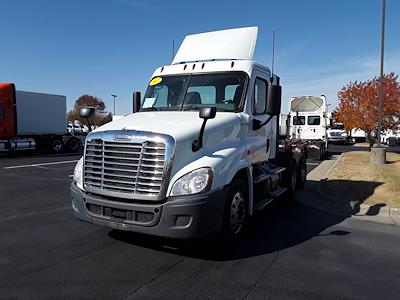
{"points": [[194, 182], [344, 134], [78, 171]]}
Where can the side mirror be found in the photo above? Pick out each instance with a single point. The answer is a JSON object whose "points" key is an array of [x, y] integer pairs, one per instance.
{"points": [[136, 102], [205, 113], [274, 100], [87, 112]]}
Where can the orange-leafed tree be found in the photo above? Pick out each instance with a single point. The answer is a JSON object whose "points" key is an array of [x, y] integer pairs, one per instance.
{"points": [[358, 104]]}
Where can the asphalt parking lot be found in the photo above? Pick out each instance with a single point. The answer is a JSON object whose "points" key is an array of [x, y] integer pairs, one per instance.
{"points": [[291, 251]]}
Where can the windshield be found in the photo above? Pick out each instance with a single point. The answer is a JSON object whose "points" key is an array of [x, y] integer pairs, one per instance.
{"points": [[299, 120], [337, 126], [313, 120], [191, 92]]}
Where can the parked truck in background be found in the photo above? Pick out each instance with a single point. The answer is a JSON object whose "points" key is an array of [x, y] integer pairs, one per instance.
{"points": [[308, 123], [202, 154], [337, 134], [33, 121]]}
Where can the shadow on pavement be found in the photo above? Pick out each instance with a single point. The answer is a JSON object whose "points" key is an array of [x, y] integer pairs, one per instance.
{"points": [[281, 226], [374, 209]]}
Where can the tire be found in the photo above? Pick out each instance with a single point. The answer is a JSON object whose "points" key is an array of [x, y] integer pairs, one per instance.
{"points": [[290, 179], [56, 145], [301, 174], [73, 144], [235, 212]]}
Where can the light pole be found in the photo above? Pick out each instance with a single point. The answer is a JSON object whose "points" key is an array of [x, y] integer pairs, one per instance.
{"points": [[381, 82], [114, 96], [378, 154]]}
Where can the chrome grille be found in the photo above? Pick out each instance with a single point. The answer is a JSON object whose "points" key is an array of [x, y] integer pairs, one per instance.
{"points": [[127, 169]]}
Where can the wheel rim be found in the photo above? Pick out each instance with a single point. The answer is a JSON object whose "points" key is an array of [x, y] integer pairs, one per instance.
{"points": [[237, 214], [73, 145], [57, 145]]}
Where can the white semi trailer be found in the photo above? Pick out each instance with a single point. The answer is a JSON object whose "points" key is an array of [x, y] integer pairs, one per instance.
{"points": [[201, 155]]}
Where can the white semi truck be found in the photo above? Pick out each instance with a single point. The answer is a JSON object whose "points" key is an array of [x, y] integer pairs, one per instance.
{"points": [[33, 121], [201, 155], [308, 122]]}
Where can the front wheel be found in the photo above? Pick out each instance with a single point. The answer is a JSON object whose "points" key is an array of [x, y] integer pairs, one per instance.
{"points": [[290, 178], [235, 214]]}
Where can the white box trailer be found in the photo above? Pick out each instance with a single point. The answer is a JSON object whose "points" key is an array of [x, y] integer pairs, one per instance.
{"points": [[39, 113]]}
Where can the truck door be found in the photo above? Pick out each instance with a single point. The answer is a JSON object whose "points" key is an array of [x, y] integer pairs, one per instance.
{"points": [[261, 140], [7, 101]]}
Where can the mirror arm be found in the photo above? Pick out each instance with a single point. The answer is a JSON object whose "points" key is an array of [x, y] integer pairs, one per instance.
{"points": [[197, 144], [258, 124], [88, 123]]}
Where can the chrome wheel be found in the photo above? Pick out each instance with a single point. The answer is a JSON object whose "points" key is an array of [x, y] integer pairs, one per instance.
{"points": [[237, 212]]}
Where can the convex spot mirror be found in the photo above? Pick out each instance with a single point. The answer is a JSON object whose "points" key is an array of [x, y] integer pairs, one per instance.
{"points": [[274, 100], [86, 112]]}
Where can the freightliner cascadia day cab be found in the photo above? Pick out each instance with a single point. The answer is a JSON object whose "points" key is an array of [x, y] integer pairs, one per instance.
{"points": [[201, 155], [30, 121], [309, 123]]}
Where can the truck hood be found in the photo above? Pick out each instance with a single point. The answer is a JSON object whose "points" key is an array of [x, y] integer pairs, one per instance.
{"points": [[181, 125]]}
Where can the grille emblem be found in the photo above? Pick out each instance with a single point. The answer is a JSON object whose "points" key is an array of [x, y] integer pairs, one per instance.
{"points": [[122, 137]]}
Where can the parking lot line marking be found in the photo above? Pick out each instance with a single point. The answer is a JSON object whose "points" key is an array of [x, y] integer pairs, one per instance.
{"points": [[42, 164], [313, 164], [70, 176]]}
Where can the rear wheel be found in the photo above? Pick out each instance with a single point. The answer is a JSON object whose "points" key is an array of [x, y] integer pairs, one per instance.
{"points": [[235, 214], [56, 145], [73, 144]]}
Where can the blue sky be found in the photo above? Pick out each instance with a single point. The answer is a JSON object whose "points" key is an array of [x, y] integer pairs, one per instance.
{"points": [[112, 47]]}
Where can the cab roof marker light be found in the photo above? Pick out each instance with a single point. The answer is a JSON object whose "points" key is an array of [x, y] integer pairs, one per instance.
{"points": [[194, 66], [202, 65], [162, 69], [184, 67], [232, 64]]}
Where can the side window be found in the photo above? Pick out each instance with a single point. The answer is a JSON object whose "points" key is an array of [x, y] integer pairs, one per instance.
{"points": [[2, 112], [259, 96]]}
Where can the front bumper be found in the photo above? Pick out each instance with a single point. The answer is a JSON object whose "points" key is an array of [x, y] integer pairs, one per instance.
{"points": [[337, 139], [180, 217]]}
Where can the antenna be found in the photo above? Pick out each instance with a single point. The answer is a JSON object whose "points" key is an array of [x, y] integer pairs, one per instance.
{"points": [[273, 54], [173, 50]]}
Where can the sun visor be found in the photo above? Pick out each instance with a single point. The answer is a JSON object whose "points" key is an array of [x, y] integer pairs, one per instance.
{"points": [[236, 43]]}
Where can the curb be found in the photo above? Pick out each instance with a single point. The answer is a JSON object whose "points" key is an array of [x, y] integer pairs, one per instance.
{"points": [[391, 212]]}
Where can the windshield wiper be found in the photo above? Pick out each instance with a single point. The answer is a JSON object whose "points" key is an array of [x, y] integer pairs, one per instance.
{"points": [[190, 107]]}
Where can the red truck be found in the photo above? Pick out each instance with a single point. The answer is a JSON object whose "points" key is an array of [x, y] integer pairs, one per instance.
{"points": [[34, 121]]}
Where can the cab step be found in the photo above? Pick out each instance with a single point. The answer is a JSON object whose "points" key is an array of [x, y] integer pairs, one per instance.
{"points": [[262, 204], [278, 192]]}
